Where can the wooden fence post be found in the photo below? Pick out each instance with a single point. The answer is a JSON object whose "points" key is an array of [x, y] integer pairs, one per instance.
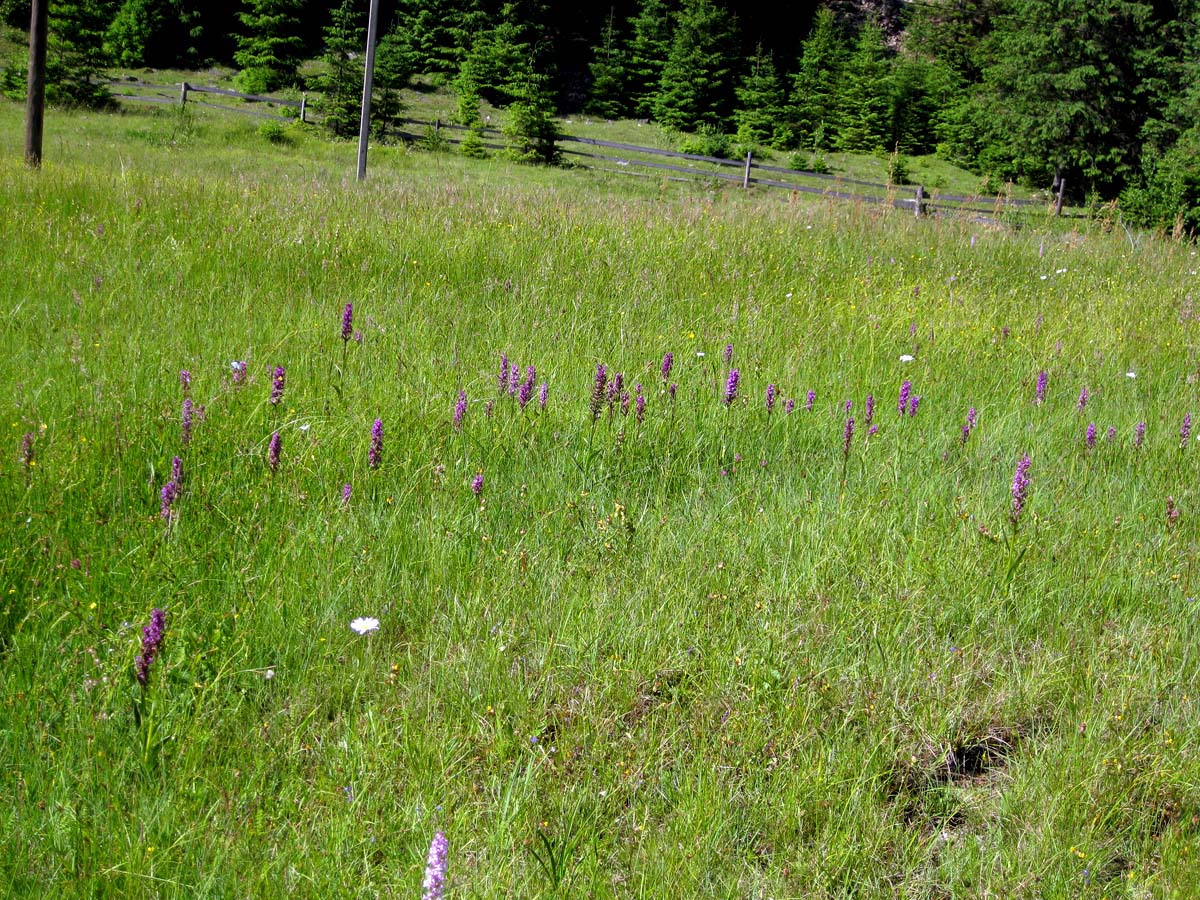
{"points": [[746, 175], [35, 96], [1058, 201], [920, 199], [303, 105], [183, 89]]}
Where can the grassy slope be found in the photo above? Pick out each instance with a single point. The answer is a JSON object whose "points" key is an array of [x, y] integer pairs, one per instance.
{"points": [[706, 655]]}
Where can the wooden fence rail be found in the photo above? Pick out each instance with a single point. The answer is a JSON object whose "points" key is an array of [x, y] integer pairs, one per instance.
{"points": [[829, 185]]}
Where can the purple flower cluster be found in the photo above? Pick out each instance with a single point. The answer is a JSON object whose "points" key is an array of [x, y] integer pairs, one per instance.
{"points": [[1043, 380], [167, 497], [477, 484], [668, 361], [1185, 430], [185, 380], [348, 322], [869, 409], [152, 638], [847, 436], [731, 384], [1083, 399], [1110, 434], [1089, 436], [1139, 435], [905, 393], [599, 390], [347, 490], [543, 395], [460, 410], [434, 884], [789, 405], [527, 386], [809, 401], [375, 452], [727, 355], [502, 378], [239, 368], [1172, 512], [278, 377], [914, 401], [640, 403], [177, 470], [186, 421], [273, 448], [969, 426], [771, 392], [1020, 488], [671, 388]]}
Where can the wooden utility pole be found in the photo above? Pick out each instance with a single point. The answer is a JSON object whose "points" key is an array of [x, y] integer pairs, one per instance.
{"points": [[364, 125], [35, 92]]}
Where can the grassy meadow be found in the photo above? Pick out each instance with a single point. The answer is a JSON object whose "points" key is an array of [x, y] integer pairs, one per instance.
{"points": [[684, 646]]}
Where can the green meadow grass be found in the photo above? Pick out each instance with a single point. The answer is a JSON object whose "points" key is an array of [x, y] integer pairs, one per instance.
{"points": [[708, 653]]}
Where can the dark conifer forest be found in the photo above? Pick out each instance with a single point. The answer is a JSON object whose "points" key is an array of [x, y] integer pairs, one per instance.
{"points": [[1102, 93]]}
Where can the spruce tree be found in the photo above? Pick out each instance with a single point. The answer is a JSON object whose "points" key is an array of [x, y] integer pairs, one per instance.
{"points": [[649, 46], [341, 82], [75, 57], [439, 33], [759, 115], [812, 111], [530, 125], [393, 70], [697, 83], [607, 98], [864, 100], [136, 30], [270, 49]]}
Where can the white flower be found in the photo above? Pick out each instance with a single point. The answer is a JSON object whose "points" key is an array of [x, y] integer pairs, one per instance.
{"points": [[305, 426], [700, 354], [1044, 277], [364, 625], [907, 357], [1131, 374]]}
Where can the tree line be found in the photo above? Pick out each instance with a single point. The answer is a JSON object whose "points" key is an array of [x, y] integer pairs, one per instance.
{"points": [[1101, 95]]}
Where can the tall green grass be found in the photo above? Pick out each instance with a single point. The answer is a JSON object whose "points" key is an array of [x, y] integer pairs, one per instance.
{"points": [[704, 654]]}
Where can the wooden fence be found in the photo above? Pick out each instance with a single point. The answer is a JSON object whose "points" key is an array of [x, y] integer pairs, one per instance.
{"points": [[631, 159]]}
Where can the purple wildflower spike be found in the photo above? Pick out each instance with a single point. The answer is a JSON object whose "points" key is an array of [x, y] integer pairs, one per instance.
{"points": [[869, 409], [1042, 380], [1083, 399], [239, 368], [640, 404], [847, 436], [905, 392], [1110, 434], [809, 401], [477, 484], [1089, 437], [599, 390], [167, 496], [460, 410], [543, 395], [913, 402], [502, 379], [731, 386], [671, 388], [348, 322], [435, 868], [788, 406], [185, 421], [1139, 435], [1185, 430], [273, 448], [185, 380], [278, 377], [771, 391], [152, 638], [1020, 488], [668, 361], [727, 354], [347, 490], [527, 386], [177, 470], [375, 451]]}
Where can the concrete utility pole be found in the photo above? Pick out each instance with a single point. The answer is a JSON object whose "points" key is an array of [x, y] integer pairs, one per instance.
{"points": [[35, 92], [364, 125]]}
